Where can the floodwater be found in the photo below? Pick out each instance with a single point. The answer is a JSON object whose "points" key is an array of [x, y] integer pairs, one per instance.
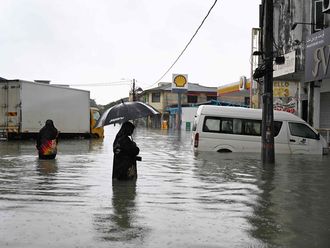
{"points": [[179, 199]]}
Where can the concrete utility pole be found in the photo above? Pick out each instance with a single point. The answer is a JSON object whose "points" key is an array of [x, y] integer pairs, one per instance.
{"points": [[179, 110], [267, 153], [133, 91]]}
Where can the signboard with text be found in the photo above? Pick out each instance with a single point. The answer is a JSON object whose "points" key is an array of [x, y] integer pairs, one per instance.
{"points": [[288, 67], [285, 96], [317, 56]]}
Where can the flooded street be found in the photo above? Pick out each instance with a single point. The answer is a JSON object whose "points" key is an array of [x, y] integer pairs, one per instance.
{"points": [[179, 199]]}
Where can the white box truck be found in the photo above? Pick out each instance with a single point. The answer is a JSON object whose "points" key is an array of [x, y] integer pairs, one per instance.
{"points": [[25, 106]]}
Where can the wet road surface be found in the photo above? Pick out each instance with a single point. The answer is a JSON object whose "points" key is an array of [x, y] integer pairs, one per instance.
{"points": [[180, 199]]}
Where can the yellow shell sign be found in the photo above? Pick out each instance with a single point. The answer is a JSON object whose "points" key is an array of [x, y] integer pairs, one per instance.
{"points": [[180, 82]]}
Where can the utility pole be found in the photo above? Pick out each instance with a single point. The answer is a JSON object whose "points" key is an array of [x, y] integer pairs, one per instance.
{"points": [[133, 91], [267, 153], [179, 110]]}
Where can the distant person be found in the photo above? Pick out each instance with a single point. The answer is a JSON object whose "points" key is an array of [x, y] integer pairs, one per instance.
{"points": [[125, 154], [47, 141]]}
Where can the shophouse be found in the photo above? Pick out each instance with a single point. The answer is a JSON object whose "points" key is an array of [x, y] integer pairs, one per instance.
{"points": [[162, 98], [302, 36]]}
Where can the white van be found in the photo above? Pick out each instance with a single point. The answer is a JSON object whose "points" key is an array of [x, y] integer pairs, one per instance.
{"points": [[236, 129]]}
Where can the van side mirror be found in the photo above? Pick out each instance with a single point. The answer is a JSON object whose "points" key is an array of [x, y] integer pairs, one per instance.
{"points": [[318, 136]]}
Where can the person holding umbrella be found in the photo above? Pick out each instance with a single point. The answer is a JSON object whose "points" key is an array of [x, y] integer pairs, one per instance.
{"points": [[124, 148], [125, 153]]}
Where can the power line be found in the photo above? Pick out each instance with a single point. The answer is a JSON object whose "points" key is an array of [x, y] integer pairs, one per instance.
{"points": [[185, 48], [116, 83]]}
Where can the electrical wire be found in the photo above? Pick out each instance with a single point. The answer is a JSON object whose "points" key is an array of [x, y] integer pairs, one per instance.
{"points": [[116, 83], [185, 48]]}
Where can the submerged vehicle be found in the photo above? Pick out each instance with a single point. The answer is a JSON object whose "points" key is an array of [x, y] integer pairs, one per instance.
{"points": [[237, 129]]}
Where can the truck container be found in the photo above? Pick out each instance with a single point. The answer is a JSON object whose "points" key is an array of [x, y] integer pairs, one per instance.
{"points": [[25, 106]]}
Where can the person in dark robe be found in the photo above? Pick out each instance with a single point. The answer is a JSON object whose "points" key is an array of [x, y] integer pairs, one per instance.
{"points": [[125, 153], [47, 140]]}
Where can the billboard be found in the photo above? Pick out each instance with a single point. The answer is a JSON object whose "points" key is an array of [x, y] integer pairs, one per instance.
{"points": [[317, 56]]}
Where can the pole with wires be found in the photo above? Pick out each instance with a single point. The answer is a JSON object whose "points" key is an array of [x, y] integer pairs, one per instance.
{"points": [[133, 91], [268, 153]]}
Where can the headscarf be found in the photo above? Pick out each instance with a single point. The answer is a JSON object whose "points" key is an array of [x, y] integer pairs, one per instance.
{"points": [[126, 129], [49, 131]]}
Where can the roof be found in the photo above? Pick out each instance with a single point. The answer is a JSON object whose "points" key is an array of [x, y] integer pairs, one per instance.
{"points": [[174, 109], [232, 87], [10, 81], [191, 87]]}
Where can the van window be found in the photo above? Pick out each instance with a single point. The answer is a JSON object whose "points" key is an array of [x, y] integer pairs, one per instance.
{"points": [[211, 125], [236, 126], [227, 125], [302, 130], [277, 127], [252, 127]]}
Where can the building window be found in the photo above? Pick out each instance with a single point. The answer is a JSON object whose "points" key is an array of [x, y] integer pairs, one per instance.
{"points": [[155, 97], [247, 100], [209, 98], [317, 16], [191, 99]]}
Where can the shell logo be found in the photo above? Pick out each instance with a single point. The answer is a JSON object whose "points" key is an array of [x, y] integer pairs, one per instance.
{"points": [[180, 81]]}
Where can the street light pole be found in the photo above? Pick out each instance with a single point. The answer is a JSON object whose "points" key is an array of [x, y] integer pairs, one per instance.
{"points": [[267, 153]]}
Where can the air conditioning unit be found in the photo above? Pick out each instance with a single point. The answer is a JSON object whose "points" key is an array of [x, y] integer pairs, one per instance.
{"points": [[326, 6]]}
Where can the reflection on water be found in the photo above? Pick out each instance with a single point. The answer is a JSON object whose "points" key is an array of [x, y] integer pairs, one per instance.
{"points": [[117, 222], [180, 199], [123, 202], [47, 167]]}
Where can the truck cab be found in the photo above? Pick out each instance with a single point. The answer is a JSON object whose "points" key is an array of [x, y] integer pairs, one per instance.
{"points": [[95, 116]]}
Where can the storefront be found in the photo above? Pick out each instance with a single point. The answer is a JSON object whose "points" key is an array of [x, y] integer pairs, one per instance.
{"points": [[285, 95], [317, 78]]}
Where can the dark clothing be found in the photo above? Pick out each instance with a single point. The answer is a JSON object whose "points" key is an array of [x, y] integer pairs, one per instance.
{"points": [[125, 152], [47, 141]]}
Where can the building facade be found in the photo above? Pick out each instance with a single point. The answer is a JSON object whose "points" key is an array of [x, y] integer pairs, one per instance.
{"points": [[302, 36], [162, 98], [237, 92]]}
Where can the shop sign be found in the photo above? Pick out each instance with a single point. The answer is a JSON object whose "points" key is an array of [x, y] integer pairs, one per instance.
{"points": [[285, 96], [288, 67], [317, 56]]}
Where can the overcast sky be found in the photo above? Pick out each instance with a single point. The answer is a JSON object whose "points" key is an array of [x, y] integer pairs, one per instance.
{"points": [[106, 41]]}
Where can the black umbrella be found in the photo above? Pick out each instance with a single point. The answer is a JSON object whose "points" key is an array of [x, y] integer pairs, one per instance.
{"points": [[126, 111]]}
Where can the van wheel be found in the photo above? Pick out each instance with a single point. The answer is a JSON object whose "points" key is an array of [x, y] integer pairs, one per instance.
{"points": [[224, 150]]}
